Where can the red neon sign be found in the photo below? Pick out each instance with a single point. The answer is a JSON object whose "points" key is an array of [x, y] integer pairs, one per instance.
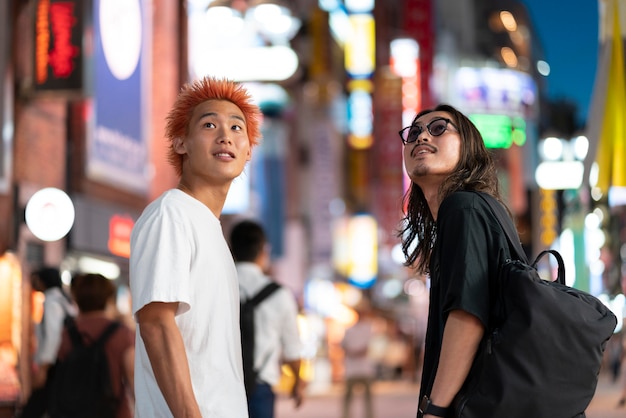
{"points": [[58, 45], [63, 54]]}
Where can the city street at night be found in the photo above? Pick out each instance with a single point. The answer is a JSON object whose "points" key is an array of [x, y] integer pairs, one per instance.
{"points": [[262, 197], [399, 400]]}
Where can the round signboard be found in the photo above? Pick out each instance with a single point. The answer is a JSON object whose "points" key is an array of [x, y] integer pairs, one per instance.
{"points": [[50, 214]]}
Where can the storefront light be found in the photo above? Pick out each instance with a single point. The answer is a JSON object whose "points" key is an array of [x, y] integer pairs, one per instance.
{"points": [[271, 18], [508, 21], [559, 175], [274, 21], [50, 214], [359, 6], [94, 265], [363, 250], [581, 147], [552, 149], [404, 56], [562, 163], [226, 36], [274, 63], [224, 20]]}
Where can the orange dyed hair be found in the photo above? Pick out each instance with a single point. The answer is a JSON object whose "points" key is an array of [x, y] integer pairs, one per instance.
{"points": [[199, 91]]}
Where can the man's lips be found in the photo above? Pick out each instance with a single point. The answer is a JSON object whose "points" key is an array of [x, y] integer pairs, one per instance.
{"points": [[422, 149], [223, 154]]}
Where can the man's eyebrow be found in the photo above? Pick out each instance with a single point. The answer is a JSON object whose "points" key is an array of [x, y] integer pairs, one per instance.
{"points": [[213, 114]]}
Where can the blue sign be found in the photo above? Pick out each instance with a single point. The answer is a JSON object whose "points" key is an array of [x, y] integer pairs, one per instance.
{"points": [[118, 142]]}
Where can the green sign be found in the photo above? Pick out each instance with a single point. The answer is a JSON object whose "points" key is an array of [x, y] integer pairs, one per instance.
{"points": [[500, 131]]}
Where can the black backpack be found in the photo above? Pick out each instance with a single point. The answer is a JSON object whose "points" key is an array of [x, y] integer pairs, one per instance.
{"points": [[81, 382], [246, 322], [542, 354]]}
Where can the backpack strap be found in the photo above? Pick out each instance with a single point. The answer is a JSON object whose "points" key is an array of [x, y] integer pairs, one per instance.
{"points": [[507, 226], [77, 339], [510, 232], [263, 293], [103, 338]]}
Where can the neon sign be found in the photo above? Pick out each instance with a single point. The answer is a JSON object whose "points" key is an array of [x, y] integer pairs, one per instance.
{"points": [[58, 45], [120, 228]]}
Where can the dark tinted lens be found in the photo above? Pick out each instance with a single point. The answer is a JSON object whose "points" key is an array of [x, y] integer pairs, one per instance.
{"points": [[414, 132], [437, 127]]}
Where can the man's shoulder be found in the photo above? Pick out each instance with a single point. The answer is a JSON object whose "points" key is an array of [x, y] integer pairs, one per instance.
{"points": [[172, 204], [280, 298], [464, 199], [168, 199]]}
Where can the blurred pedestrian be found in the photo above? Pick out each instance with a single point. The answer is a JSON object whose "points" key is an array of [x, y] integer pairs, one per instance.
{"points": [[359, 367], [452, 234], [56, 306], [276, 337], [95, 296], [397, 352], [183, 279]]}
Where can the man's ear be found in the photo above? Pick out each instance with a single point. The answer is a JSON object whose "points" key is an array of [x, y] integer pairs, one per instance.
{"points": [[179, 146], [249, 156]]}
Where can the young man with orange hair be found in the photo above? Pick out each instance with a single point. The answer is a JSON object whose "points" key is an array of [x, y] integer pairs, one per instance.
{"points": [[182, 275]]}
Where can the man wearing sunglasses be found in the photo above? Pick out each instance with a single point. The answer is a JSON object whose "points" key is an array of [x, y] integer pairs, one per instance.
{"points": [[450, 234]]}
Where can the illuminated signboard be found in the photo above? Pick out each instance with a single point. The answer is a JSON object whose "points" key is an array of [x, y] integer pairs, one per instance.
{"points": [[120, 228], [500, 131], [58, 45], [363, 239], [360, 119], [495, 91], [360, 59], [117, 142]]}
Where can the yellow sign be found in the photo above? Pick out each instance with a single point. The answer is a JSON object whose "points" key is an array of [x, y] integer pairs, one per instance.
{"points": [[360, 57]]}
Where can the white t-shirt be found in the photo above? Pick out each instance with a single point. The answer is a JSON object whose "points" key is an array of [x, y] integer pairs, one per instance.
{"points": [[276, 336], [179, 254], [356, 344], [55, 307]]}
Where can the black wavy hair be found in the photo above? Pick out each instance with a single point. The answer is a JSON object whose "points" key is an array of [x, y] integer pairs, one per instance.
{"points": [[475, 171]]}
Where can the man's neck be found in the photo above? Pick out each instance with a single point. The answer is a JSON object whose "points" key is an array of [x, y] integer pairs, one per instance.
{"points": [[211, 197], [433, 200]]}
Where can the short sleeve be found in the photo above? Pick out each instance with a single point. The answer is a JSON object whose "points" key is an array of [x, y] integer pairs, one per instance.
{"points": [[159, 261], [468, 247]]}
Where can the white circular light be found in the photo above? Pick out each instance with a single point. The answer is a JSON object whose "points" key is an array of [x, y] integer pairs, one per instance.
{"points": [[543, 68], [50, 214], [552, 148], [581, 147], [120, 32]]}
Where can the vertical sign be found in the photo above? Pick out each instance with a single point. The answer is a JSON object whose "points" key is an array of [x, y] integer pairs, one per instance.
{"points": [[58, 46], [118, 142], [387, 156], [418, 24], [360, 63]]}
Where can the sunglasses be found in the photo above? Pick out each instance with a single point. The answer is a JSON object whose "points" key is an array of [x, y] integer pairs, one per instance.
{"points": [[435, 127]]}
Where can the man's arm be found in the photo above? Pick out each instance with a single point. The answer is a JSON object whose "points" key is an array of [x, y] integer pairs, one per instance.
{"points": [[166, 351], [461, 337], [297, 391]]}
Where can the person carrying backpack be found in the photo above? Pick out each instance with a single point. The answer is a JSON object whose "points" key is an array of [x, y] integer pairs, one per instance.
{"points": [[56, 307], [93, 376], [275, 332], [452, 232]]}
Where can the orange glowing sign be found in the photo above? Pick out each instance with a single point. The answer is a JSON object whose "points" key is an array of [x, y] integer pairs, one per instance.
{"points": [[120, 228], [58, 45]]}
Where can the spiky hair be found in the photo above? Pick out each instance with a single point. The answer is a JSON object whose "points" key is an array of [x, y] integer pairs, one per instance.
{"points": [[199, 91]]}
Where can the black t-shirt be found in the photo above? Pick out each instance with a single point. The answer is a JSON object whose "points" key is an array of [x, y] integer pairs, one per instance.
{"points": [[469, 249]]}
